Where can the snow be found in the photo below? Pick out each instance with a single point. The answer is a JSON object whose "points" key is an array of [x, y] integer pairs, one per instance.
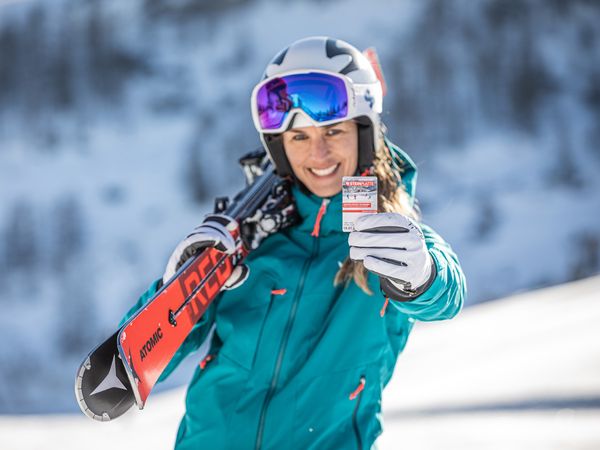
{"points": [[520, 373]]}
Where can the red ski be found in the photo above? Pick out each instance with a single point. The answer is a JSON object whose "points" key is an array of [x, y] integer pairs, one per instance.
{"points": [[151, 337], [124, 369]]}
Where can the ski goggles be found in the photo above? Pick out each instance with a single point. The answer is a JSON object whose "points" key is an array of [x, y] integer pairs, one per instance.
{"points": [[324, 97]]}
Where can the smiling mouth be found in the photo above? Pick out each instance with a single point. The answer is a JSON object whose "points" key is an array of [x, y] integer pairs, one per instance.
{"points": [[324, 172]]}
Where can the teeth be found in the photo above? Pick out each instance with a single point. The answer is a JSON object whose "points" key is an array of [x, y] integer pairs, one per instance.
{"points": [[324, 172]]}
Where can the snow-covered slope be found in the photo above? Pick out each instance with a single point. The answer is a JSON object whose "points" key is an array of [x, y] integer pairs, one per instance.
{"points": [[520, 373]]}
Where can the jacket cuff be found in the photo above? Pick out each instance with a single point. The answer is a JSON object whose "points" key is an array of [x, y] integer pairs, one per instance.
{"points": [[394, 292]]}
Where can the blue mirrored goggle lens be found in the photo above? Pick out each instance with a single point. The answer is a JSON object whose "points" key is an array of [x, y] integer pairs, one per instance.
{"points": [[321, 96]]}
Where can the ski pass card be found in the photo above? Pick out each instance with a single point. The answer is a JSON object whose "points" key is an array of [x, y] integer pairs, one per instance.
{"points": [[359, 196]]}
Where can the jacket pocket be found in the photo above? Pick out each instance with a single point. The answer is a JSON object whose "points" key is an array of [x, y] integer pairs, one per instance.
{"points": [[338, 410], [241, 320], [356, 396], [366, 414]]}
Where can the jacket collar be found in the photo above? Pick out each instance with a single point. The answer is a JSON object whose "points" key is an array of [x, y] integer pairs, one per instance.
{"points": [[308, 205]]}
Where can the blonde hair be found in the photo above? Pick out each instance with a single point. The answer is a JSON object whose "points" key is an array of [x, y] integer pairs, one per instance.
{"points": [[391, 197]]}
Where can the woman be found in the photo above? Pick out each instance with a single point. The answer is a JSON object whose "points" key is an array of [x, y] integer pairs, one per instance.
{"points": [[308, 332]]}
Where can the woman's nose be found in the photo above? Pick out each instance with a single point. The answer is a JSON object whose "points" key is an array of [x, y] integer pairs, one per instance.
{"points": [[319, 149]]}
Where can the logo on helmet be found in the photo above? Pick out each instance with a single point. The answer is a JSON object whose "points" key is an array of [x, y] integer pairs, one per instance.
{"points": [[369, 98]]}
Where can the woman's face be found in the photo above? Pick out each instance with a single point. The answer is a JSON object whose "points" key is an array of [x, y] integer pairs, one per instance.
{"points": [[321, 156]]}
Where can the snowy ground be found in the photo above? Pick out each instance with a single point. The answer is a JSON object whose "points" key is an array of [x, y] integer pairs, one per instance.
{"points": [[519, 373]]}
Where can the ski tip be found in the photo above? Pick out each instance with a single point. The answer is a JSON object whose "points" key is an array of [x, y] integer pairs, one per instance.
{"points": [[104, 417], [102, 389]]}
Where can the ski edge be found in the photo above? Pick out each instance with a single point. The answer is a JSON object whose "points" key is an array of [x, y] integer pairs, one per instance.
{"points": [[128, 370]]}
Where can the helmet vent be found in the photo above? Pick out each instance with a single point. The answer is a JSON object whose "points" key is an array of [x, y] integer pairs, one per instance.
{"points": [[332, 49]]}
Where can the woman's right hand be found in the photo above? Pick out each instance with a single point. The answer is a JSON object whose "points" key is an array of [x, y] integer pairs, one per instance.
{"points": [[212, 232]]}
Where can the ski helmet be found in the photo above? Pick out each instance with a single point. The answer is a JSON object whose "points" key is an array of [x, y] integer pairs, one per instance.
{"points": [[318, 58]]}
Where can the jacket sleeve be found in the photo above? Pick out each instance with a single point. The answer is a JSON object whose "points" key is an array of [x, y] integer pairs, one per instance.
{"points": [[445, 295], [192, 342]]}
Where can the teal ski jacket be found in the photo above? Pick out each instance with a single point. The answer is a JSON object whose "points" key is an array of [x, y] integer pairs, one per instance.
{"points": [[296, 362]]}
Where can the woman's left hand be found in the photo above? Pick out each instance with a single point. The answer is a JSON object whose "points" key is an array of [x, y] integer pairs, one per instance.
{"points": [[392, 246]]}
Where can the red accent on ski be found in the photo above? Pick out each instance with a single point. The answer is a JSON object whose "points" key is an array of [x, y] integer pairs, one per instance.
{"points": [[151, 339]]}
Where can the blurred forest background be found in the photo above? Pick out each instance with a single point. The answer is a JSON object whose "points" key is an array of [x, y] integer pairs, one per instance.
{"points": [[121, 121]]}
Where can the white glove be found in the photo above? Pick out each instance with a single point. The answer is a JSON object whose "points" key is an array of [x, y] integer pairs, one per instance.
{"points": [[210, 233], [392, 246]]}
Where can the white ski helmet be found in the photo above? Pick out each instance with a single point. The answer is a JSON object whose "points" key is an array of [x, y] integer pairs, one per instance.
{"points": [[323, 55]]}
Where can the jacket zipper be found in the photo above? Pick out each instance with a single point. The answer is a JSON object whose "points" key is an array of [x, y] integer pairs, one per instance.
{"points": [[286, 335], [355, 414]]}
